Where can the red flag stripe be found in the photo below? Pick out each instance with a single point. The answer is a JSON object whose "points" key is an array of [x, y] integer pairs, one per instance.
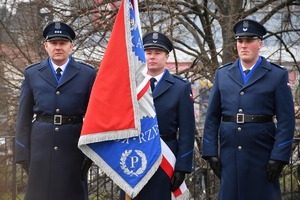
{"points": [[143, 91], [103, 91]]}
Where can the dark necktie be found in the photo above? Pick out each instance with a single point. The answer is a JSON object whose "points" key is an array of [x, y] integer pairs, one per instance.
{"points": [[152, 81], [247, 71], [58, 73]]}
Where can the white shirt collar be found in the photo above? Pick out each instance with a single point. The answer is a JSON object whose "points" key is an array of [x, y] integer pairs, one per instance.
{"points": [[244, 68], [158, 77], [63, 67]]}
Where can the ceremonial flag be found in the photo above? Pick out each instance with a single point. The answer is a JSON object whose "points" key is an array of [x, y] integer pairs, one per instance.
{"points": [[120, 132]]}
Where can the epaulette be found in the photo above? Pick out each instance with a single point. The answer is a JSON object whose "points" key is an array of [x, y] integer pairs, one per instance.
{"points": [[180, 78], [29, 66], [225, 65], [87, 64], [276, 65]]}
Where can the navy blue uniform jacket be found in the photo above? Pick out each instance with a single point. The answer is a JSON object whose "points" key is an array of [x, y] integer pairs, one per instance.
{"points": [[175, 113], [245, 149], [55, 160]]}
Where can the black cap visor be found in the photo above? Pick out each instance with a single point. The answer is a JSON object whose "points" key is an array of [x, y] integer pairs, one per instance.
{"points": [[156, 46], [248, 36], [58, 37]]}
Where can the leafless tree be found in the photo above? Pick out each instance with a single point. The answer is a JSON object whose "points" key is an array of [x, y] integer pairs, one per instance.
{"points": [[201, 31]]}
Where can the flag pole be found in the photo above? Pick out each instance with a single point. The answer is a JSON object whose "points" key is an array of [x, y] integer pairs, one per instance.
{"points": [[127, 197]]}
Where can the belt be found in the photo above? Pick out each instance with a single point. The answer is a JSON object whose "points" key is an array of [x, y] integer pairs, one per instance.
{"points": [[242, 118], [59, 119], [167, 137]]}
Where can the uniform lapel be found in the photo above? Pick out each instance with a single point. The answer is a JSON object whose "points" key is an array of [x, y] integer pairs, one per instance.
{"points": [[70, 72], [166, 82], [46, 73], [258, 73], [235, 74]]}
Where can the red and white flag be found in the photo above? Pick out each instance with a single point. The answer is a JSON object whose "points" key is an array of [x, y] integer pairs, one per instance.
{"points": [[120, 132]]}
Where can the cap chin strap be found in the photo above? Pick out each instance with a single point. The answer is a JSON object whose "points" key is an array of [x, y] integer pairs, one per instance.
{"points": [[248, 37], [59, 37]]}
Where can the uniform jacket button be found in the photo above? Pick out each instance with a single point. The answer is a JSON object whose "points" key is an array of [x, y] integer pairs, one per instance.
{"points": [[239, 129], [56, 129], [240, 148], [55, 148], [57, 92]]}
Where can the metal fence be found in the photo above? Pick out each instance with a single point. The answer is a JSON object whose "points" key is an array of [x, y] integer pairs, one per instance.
{"points": [[202, 184]]}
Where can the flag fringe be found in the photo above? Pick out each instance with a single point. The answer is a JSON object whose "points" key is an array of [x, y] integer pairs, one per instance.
{"points": [[106, 136], [132, 192]]}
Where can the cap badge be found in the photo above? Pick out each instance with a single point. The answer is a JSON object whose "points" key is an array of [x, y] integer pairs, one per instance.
{"points": [[57, 25], [245, 25], [155, 36]]}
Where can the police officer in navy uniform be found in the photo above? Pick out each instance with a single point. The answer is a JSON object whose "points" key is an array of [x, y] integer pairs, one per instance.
{"points": [[51, 110], [246, 149], [173, 103]]}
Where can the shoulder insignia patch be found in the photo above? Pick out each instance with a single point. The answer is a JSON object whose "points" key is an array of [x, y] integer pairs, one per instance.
{"points": [[87, 64], [276, 65], [225, 65], [32, 65], [180, 78]]}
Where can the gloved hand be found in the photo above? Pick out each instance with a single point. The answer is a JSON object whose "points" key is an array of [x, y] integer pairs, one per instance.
{"points": [[86, 164], [274, 169], [25, 165], [177, 179], [215, 165]]}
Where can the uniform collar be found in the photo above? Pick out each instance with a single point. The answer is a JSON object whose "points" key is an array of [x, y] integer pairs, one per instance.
{"points": [[158, 77], [63, 67]]}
